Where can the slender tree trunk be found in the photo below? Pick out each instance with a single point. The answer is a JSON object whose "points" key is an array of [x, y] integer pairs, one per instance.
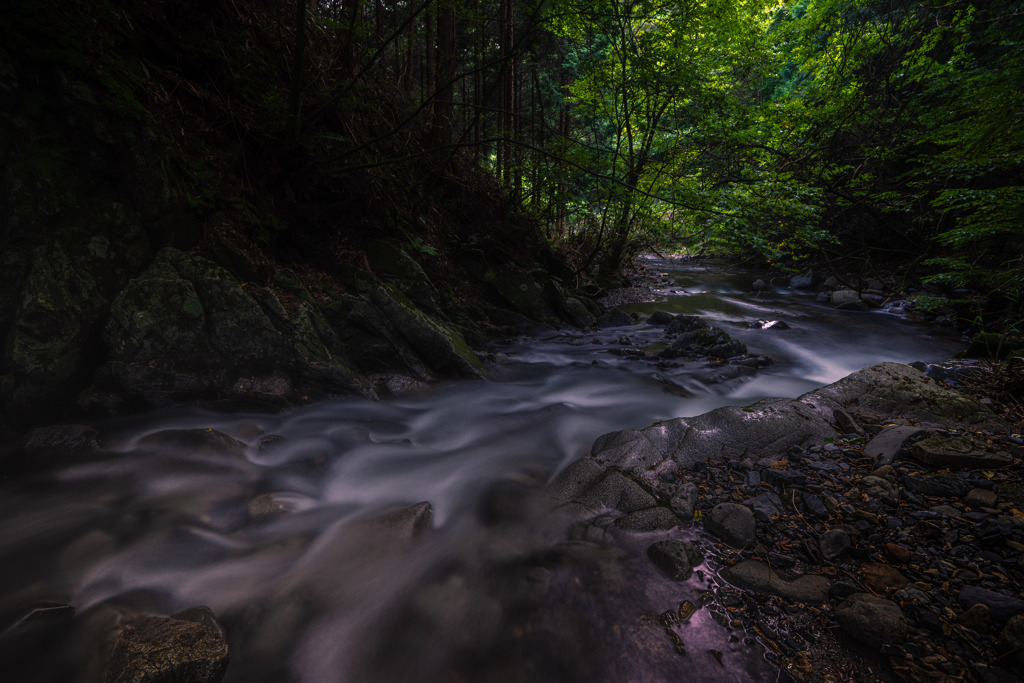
{"points": [[298, 68], [445, 71]]}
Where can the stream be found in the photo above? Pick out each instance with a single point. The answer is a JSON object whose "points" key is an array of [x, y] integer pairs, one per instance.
{"points": [[324, 593]]}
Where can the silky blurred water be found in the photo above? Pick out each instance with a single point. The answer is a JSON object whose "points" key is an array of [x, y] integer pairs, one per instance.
{"points": [[320, 594]]}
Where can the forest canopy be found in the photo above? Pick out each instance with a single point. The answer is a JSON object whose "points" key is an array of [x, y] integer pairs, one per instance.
{"points": [[874, 130]]}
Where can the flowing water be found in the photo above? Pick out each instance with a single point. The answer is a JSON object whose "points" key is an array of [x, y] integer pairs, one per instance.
{"points": [[324, 593]]}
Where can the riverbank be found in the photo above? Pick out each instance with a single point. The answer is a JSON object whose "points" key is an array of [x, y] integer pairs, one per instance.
{"points": [[878, 544]]}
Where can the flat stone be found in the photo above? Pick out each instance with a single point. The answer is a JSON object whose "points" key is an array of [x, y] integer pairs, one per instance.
{"points": [[758, 577], [765, 506], [675, 558], [1001, 607], [732, 524], [885, 446], [882, 578], [872, 620], [815, 507], [785, 477], [980, 498], [834, 543], [897, 553], [958, 452]]}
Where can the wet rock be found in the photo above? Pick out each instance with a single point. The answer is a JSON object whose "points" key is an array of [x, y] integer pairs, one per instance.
{"points": [[980, 498], [1001, 607], [193, 441], [886, 445], [760, 285], [267, 506], [958, 452], [660, 318], [765, 506], [768, 325], [684, 323], [155, 649], [62, 437], [684, 501], [616, 491], [675, 558], [805, 280], [759, 578], [872, 620], [732, 524], [403, 524], [842, 297], [834, 543]]}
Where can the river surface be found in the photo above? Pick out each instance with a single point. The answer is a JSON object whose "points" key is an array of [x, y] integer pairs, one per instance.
{"points": [[320, 594]]}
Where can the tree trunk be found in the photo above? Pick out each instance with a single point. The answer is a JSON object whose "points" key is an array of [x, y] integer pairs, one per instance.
{"points": [[298, 68]]}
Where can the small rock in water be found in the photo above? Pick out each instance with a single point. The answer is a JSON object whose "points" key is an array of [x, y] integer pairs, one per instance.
{"points": [[761, 286], [768, 325]]}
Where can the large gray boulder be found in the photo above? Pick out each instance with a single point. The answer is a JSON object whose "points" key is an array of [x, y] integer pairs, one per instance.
{"points": [[771, 427]]}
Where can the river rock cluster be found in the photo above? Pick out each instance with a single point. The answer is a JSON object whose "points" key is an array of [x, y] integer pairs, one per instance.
{"points": [[869, 530]]}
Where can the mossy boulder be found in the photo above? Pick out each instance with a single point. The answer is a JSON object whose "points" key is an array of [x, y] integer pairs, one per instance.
{"points": [[62, 303], [185, 330]]}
